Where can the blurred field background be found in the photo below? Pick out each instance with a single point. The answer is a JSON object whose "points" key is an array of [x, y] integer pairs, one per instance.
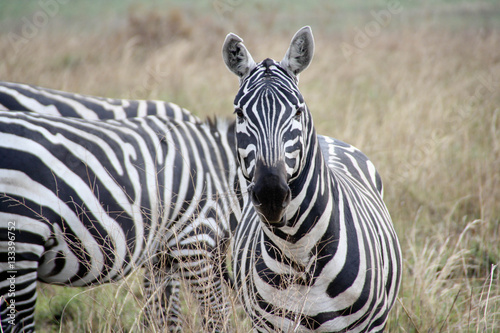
{"points": [[413, 84]]}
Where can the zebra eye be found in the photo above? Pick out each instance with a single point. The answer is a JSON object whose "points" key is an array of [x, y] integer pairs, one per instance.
{"points": [[239, 113], [299, 111]]}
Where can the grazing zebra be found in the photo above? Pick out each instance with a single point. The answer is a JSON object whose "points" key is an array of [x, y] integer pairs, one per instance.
{"points": [[23, 97], [315, 250], [86, 202]]}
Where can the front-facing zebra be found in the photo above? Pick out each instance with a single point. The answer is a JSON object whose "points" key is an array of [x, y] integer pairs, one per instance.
{"points": [[315, 249], [86, 202]]}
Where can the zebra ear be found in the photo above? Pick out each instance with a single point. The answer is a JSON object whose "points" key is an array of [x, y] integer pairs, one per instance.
{"points": [[300, 52], [236, 56]]}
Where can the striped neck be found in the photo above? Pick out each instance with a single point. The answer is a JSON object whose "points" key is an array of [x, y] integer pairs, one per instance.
{"points": [[311, 210]]}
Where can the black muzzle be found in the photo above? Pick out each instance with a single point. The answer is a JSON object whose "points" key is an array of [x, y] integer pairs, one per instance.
{"points": [[270, 193]]}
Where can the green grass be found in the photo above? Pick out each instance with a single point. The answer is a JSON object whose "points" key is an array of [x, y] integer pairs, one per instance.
{"points": [[421, 100], [107, 308]]}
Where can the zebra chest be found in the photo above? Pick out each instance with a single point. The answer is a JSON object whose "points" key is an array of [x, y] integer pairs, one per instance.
{"points": [[272, 270]]}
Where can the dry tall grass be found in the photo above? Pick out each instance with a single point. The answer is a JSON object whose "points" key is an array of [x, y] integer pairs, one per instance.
{"points": [[422, 100]]}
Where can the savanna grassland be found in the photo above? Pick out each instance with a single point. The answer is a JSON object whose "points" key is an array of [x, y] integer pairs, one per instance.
{"points": [[414, 85]]}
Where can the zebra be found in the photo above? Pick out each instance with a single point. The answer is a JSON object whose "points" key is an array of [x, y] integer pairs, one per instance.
{"points": [[24, 97], [85, 202], [17, 96], [315, 249]]}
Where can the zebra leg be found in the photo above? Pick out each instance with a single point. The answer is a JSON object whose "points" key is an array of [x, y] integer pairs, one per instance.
{"points": [[214, 304], [17, 304], [204, 276], [162, 289]]}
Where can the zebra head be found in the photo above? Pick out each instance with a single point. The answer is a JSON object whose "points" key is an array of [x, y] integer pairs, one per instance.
{"points": [[273, 123]]}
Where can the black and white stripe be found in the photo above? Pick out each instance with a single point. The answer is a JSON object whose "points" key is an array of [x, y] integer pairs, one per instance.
{"points": [[23, 97], [47, 101], [17, 96], [93, 200], [315, 250]]}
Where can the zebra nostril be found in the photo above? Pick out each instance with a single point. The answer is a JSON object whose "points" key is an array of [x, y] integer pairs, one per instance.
{"points": [[287, 199], [255, 199]]}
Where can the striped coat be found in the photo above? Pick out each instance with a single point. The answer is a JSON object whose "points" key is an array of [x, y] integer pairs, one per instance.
{"points": [[90, 201], [315, 249]]}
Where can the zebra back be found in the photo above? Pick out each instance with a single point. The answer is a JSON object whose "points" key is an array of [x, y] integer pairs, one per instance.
{"points": [[24, 97], [341, 155]]}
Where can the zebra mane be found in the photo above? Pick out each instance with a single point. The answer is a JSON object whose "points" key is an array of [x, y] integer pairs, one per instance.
{"points": [[217, 123], [267, 63]]}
